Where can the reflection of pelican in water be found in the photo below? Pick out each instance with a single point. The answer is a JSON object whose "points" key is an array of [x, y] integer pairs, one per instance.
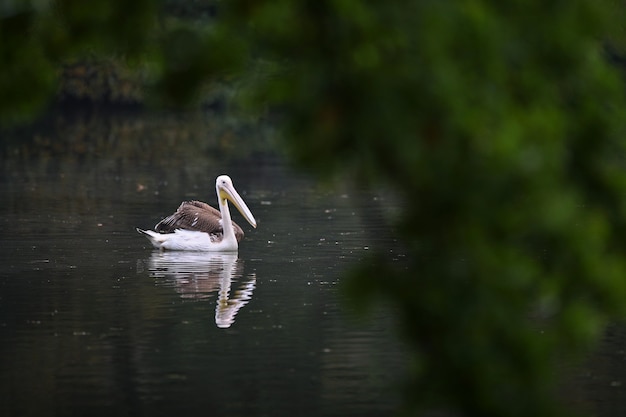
{"points": [[196, 226], [197, 275]]}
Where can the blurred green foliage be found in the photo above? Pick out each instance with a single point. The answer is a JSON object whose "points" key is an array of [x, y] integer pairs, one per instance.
{"points": [[498, 124]]}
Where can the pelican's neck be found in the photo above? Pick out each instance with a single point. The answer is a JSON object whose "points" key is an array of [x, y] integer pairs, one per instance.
{"points": [[227, 224]]}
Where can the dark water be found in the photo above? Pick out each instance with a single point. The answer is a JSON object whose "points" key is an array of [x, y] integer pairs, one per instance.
{"points": [[94, 322]]}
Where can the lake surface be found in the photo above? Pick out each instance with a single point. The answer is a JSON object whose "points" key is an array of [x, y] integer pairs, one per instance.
{"points": [[93, 321]]}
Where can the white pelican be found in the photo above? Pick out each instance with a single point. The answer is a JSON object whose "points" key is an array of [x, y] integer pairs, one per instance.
{"points": [[196, 226]]}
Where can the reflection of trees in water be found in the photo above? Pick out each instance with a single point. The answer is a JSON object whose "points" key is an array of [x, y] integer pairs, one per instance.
{"points": [[197, 276], [164, 139], [78, 163]]}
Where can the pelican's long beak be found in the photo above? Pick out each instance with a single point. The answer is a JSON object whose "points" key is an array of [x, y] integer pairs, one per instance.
{"points": [[228, 192]]}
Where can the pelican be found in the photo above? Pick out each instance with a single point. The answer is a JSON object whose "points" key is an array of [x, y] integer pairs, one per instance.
{"points": [[196, 226]]}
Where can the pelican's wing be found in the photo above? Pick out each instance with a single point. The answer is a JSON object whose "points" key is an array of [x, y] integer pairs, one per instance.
{"points": [[199, 216]]}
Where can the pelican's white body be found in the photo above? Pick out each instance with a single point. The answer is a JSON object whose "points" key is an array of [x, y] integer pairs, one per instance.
{"points": [[190, 240]]}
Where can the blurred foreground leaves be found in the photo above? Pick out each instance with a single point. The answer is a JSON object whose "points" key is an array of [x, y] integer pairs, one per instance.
{"points": [[498, 124]]}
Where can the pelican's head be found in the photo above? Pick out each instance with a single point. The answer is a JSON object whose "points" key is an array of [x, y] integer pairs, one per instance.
{"points": [[226, 191]]}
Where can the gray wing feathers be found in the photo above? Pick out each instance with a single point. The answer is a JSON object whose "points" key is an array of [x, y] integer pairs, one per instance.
{"points": [[199, 216]]}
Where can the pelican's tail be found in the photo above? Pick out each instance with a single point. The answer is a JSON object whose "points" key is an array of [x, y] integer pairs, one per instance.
{"points": [[155, 238]]}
